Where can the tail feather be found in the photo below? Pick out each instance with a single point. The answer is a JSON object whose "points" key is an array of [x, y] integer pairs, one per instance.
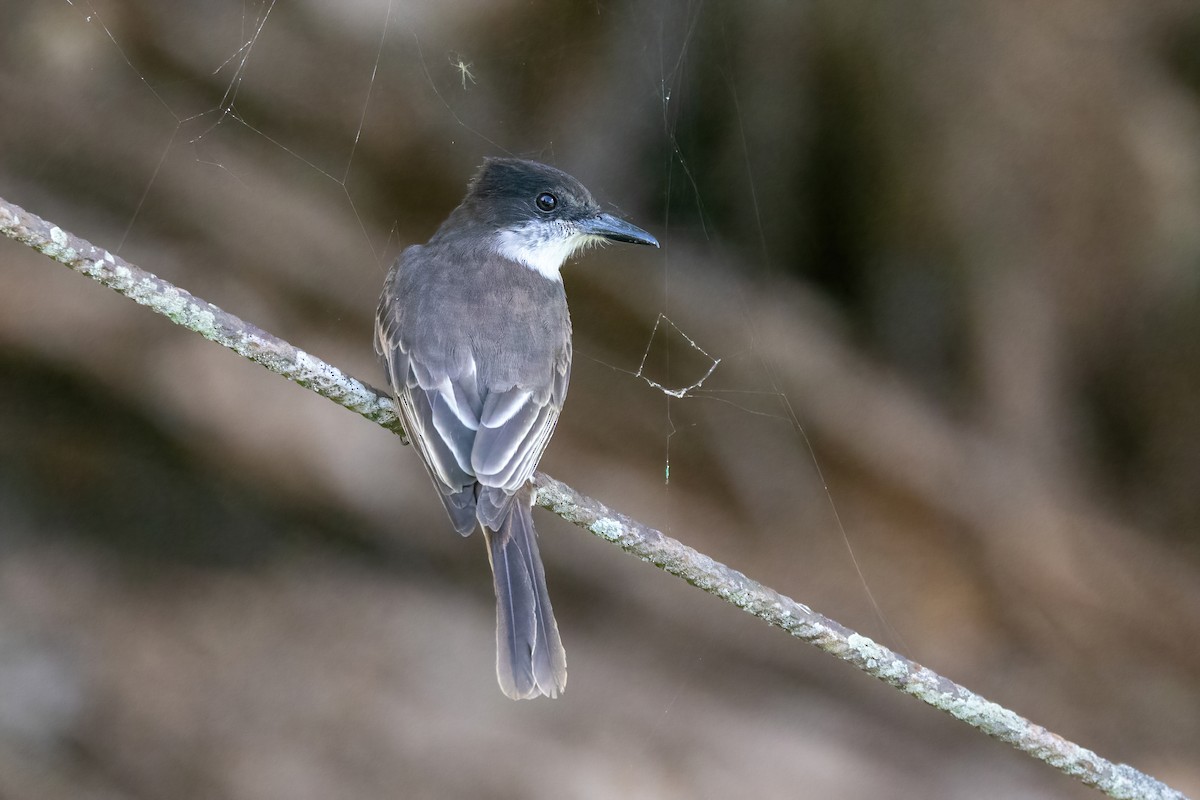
{"points": [[530, 660]]}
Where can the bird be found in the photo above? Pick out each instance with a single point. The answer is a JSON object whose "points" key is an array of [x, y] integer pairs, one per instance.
{"points": [[475, 338]]}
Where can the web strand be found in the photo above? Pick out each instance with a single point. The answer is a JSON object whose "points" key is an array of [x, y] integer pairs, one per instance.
{"points": [[683, 171]]}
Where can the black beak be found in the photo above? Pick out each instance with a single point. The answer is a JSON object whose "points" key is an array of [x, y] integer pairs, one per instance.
{"points": [[617, 230]]}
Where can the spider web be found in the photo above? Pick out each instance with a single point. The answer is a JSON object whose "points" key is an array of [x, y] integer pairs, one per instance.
{"points": [[673, 363]]}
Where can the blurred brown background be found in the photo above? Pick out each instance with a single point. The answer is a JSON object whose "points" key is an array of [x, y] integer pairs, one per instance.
{"points": [[954, 247]]}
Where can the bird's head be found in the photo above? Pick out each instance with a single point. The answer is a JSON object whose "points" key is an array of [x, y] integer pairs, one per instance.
{"points": [[540, 216]]}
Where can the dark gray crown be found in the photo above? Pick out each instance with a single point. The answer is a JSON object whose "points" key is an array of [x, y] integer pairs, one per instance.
{"points": [[505, 190]]}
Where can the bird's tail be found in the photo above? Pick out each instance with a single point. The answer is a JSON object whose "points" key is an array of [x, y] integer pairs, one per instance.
{"points": [[530, 660]]}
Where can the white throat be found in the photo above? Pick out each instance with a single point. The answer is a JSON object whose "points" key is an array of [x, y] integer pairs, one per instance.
{"points": [[543, 248]]}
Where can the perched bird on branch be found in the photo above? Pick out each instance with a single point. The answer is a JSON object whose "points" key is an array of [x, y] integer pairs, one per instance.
{"points": [[475, 336]]}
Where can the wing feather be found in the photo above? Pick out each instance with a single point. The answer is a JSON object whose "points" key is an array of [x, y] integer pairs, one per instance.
{"points": [[499, 446], [439, 416], [503, 406]]}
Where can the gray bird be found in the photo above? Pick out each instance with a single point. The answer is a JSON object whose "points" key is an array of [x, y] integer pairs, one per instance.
{"points": [[476, 340]]}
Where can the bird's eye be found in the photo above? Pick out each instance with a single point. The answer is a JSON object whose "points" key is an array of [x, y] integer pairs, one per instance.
{"points": [[546, 201]]}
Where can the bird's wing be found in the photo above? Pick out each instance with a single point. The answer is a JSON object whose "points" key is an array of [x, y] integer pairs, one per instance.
{"points": [[514, 428], [440, 407]]}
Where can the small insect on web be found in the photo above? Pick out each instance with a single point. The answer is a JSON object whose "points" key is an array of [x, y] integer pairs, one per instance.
{"points": [[464, 69]]}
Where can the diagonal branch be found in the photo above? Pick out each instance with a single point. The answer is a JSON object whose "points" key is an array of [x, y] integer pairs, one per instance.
{"points": [[183, 308]]}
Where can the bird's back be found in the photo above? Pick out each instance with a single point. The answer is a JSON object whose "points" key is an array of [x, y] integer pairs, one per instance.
{"points": [[479, 353], [457, 305]]}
